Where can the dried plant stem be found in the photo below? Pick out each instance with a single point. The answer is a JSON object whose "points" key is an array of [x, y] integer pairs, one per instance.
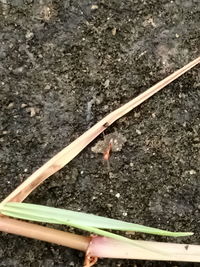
{"points": [[39, 232], [102, 246], [109, 248], [72, 150]]}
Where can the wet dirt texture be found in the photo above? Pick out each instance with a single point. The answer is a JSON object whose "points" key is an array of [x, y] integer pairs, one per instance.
{"points": [[66, 64]]}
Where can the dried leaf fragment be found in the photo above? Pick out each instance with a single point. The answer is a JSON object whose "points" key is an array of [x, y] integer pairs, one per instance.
{"points": [[117, 141]]}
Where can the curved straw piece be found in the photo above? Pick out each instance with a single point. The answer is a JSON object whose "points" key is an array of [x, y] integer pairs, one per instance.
{"points": [[72, 150]]}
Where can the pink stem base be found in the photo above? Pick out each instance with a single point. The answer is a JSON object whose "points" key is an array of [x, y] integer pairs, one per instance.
{"points": [[104, 247]]}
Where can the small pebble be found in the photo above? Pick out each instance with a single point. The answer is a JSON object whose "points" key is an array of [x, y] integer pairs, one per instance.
{"points": [[106, 84], [94, 7], [29, 35], [10, 105], [118, 195], [138, 132], [137, 114], [47, 87], [114, 31], [18, 70], [23, 105], [33, 111], [192, 172]]}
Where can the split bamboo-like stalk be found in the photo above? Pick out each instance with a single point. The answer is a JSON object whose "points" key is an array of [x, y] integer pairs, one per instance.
{"points": [[43, 233]]}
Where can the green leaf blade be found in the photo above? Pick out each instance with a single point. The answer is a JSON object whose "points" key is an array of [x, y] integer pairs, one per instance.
{"points": [[61, 216]]}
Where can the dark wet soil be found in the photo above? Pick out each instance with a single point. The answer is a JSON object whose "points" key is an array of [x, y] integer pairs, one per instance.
{"points": [[63, 66]]}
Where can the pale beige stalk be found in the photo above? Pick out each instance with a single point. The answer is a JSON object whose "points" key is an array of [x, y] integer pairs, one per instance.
{"points": [[104, 247], [72, 150], [39, 232]]}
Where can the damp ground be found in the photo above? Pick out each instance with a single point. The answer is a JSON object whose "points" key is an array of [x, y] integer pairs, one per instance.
{"points": [[66, 64]]}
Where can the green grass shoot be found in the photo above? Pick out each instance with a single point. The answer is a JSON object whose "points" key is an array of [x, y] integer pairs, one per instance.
{"points": [[84, 221]]}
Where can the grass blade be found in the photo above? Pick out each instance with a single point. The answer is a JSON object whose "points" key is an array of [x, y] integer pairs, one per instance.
{"points": [[72, 218]]}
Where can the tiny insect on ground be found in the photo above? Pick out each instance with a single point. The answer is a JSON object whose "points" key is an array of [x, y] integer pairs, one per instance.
{"points": [[106, 125]]}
